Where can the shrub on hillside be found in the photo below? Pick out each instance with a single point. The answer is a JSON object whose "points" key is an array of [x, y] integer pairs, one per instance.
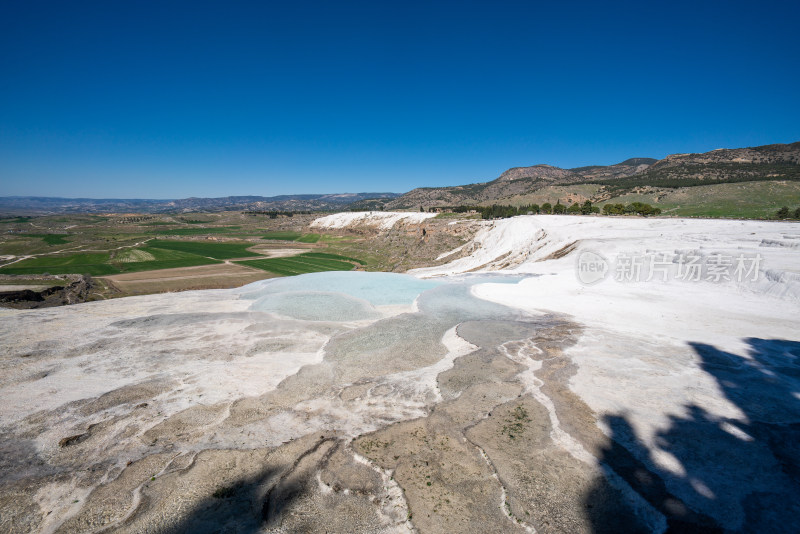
{"points": [[785, 213], [637, 208]]}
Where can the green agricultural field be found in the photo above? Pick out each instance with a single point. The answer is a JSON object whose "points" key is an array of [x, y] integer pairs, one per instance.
{"points": [[292, 236], [282, 236], [98, 264], [308, 238], [219, 251], [152, 258], [197, 231], [17, 220], [328, 256], [102, 246], [301, 264], [196, 221], [86, 263], [155, 255], [134, 255], [50, 239]]}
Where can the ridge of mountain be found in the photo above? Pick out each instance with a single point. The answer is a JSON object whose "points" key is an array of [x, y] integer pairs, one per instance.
{"points": [[768, 162]]}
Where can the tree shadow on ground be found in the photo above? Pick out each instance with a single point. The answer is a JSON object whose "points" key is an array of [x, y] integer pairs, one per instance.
{"points": [[707, 473], [246, 506]]}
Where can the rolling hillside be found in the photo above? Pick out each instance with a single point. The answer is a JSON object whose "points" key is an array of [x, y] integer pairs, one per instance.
{"points": [[779, 162]]}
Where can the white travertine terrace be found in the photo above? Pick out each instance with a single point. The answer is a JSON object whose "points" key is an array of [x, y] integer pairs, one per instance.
{"points": [[383, 220], [671, 370]]}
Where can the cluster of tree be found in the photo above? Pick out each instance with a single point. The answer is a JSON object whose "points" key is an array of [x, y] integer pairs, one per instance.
{"points": [[496, 211], [575, 209], [639, 208], [499, 212], [785, 213], [275, 214], [581, 209]]}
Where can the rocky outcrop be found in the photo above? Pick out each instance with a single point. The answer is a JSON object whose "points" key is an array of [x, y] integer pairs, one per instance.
{"points": [[538, 172], [767, 154], [629, 167], [516, 181], [76, 289]]}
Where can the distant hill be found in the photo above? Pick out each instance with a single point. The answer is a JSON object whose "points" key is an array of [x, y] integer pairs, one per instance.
{"points": [[517, 181], [769, 162], [52, 205], [515, 186], [629, 167]]}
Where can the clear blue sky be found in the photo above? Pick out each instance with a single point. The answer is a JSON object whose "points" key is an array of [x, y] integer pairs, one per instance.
{"points": [[175, 99]]}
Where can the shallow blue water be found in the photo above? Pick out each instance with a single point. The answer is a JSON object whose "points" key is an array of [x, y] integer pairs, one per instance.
{"points": [[348, 296], [379, 289]]}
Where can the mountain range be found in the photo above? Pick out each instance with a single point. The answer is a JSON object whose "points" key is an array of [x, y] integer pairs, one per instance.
{"points": [[50, 205], [769, 162], [777, 162]]}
